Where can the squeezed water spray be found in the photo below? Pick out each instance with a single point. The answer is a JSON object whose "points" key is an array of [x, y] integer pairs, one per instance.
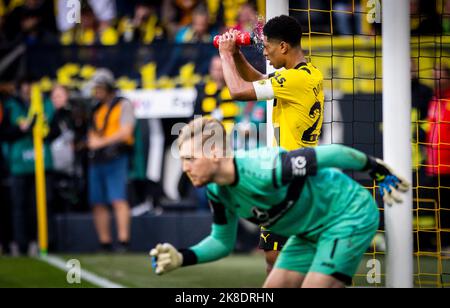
{"points": [[259, 34], [255, 38]]}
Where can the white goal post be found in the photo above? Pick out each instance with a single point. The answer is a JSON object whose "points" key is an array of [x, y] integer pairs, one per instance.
{"points": [[273, 8], [397, 138]]}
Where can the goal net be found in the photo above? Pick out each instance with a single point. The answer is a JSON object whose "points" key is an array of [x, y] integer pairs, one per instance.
{"points": [[343, 39]]}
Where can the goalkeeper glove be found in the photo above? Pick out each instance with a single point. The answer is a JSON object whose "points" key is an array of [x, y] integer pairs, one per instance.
{"points": [[165, 258], [389, 183]]}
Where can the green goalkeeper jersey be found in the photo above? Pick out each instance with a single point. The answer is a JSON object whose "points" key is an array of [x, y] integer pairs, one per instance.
{"points": [[292, 193]]}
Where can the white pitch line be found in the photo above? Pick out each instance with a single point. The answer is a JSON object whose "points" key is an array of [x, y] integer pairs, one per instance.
{"points": [[85, 275]]}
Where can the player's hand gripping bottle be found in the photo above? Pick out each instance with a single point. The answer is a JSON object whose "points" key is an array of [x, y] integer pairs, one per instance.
{"points": [[243, 39]]}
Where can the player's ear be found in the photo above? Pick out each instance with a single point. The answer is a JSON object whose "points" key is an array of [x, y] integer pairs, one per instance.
{"points": [[284, 47]]}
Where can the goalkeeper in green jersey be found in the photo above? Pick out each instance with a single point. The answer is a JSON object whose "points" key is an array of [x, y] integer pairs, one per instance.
{"points": [[329, 218]]}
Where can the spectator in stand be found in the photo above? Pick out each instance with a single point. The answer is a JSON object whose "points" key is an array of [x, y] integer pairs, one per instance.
{"points": [[8, 133], [347, 16], [198, 31], [6, 6], [127, 7], [248, 134], [214, 99], [227, 13], [91, 30], [32, 22], [178, 13], [425, 20], [247, 18], [446, 18], [109, 140], [144, 26], [61, 138], [62, 120], [105, 12], [315, 14], [421, 97], [21, 160], [438, 141], [3, 37]]}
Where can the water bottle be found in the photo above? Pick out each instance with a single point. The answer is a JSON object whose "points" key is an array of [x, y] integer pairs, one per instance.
{"points": [[243, 39]]}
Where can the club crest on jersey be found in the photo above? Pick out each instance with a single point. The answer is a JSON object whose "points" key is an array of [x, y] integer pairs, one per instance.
{"points": [[259, 214], [298, 166]]}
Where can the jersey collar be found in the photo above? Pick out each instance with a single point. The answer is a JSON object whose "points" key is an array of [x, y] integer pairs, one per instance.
{"points": [[300, 65]]}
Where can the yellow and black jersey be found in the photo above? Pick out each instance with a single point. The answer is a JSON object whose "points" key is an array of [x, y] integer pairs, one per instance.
{"points": [[298, 105]]}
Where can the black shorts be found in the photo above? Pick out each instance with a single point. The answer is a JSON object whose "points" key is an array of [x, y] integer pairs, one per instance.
{"points": [[269, 241]]}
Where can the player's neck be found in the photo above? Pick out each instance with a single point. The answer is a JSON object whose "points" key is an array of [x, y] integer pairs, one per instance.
{"points": [[226, 174], [296, 58]]}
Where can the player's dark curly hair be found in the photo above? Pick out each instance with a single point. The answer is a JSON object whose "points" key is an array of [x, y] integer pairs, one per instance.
{"points": [[284, 28]]}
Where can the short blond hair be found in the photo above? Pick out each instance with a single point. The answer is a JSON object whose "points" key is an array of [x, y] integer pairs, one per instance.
{"points": [[204, 130]]}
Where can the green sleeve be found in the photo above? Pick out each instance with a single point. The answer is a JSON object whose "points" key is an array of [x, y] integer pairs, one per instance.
{"points": [[303, 162], [339, 156], [220, 243]]}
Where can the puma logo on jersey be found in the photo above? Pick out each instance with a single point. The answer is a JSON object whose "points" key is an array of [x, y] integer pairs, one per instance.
{"points": [[265, 237], [261, 215], [298, 165]]}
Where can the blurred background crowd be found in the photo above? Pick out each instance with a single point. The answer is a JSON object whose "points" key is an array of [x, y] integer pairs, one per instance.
{"points": [[111, 22]]}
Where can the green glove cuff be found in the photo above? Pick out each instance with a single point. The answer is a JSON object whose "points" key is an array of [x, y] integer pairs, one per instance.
{"points": [[371, 163]]}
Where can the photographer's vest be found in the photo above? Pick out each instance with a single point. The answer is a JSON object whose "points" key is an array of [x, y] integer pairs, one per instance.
{"points": [[107, 119]]}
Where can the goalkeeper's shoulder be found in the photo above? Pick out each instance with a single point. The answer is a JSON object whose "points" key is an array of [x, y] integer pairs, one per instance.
{"points": [[257, 163], [258, 154]]}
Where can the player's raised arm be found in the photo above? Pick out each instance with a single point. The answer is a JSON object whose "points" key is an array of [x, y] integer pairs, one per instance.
{"points": [[239, 88], [245, 69], [307, 161], [217, 245]]}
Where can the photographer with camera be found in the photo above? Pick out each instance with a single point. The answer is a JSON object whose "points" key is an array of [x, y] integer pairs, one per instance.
{"points": [[110, 140]]}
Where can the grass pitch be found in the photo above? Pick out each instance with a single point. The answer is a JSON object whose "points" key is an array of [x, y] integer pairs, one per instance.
{"points": [[33, 273], [134, 270]]}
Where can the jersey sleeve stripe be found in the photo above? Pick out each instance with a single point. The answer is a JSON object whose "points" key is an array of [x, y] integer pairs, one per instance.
{"points": [[219, 213], [211, 195]]}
